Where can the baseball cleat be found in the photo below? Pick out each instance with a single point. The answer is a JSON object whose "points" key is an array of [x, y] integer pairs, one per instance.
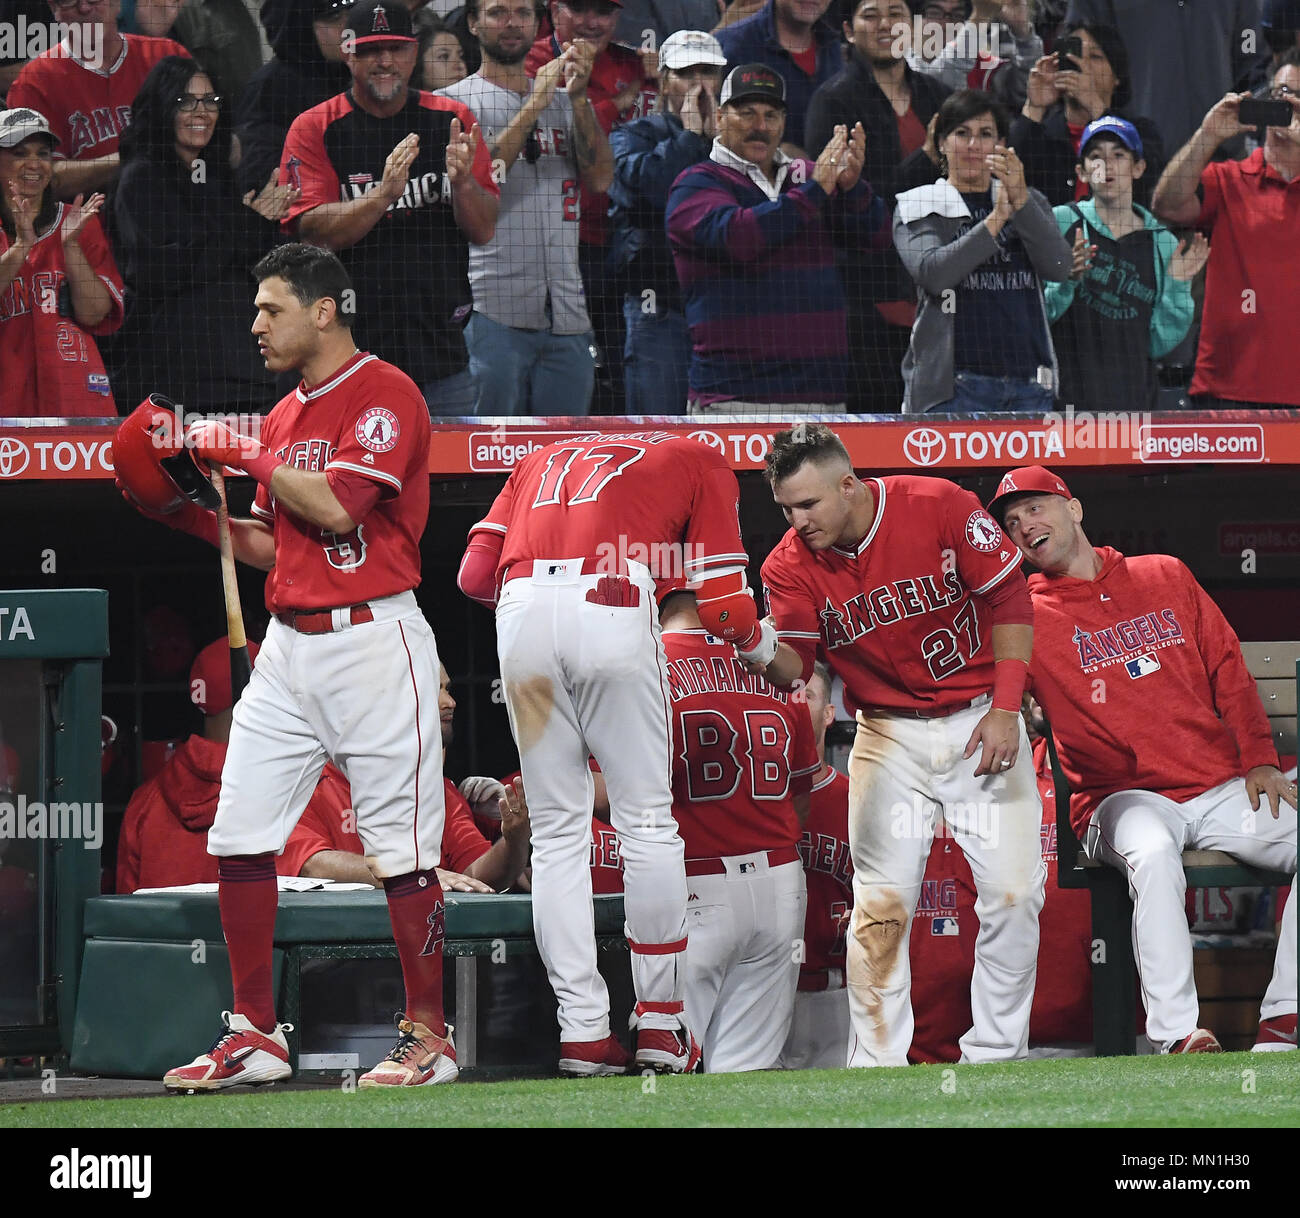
{"points": [[241, 1055], [667, 1051], [1276, 1035], [1200, 1041], [593, 1058], [419, 1059]]}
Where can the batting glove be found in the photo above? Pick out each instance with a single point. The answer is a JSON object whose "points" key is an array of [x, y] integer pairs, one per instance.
{"points": [[186, 517], [217, 443], [481, 790], [760, 647]]}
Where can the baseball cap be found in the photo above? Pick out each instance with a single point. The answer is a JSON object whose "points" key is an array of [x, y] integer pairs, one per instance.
{"points": [[687, 48], [18, 125], [753, 80], [379, 21], [1116, 127], [210, 676], [1027, 480]]}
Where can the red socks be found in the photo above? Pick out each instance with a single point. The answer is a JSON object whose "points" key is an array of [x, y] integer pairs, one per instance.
{"points": [[416, 908], [248, 894]]}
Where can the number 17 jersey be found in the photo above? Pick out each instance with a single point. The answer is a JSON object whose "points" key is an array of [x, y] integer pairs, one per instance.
{"points": [[900, 617]]}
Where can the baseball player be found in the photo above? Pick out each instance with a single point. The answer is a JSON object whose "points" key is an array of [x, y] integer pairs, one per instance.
{"points": [[1120, 637], [743, 762], [819, 1029], [916, 598], [570, 542], [348, 670]]}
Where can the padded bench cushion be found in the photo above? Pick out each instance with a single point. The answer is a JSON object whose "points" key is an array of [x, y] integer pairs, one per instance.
{"points": [[321, 917]]}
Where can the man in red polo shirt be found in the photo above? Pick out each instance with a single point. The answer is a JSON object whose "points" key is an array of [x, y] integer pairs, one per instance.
{"points": [[1251, 210]]}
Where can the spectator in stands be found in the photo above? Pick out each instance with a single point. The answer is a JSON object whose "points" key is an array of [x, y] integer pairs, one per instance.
{"points": [[751, 237], [894, 104], [529, 337], [993, 50], [59, 286], [85, 87], [421, 190], [649, 154], [794, 39], [442, 62], [939, 19], [306, 69], [663, 18], [1128, 300], [978, 243], [221, 34], [619, 90], [1060, 105], [186, 240], [1185, 55], [1251, 210], [1144, 788], [325, 845]]}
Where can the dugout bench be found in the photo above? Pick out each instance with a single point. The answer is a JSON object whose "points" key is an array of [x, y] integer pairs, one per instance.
{"points": [[1276, 669], [155, 973]]}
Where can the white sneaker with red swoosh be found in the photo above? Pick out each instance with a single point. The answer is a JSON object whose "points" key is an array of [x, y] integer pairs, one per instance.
{"points": [[241, 1055]]}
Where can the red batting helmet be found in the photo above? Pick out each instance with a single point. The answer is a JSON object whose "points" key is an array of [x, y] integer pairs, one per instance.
{"points": [[149, 433]]}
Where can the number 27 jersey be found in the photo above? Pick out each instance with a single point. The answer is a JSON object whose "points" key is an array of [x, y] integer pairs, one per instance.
{"points": [[900, 618]]}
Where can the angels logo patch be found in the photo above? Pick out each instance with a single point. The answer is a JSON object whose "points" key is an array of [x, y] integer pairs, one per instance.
{"points": [[378, 430], [982, 532]]}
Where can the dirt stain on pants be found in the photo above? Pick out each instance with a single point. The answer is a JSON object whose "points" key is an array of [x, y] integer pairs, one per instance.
{"points": [[878, 926], [530, 702]]}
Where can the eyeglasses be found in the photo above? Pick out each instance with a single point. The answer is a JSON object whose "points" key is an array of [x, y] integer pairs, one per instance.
{"points": [[1283, 93], [532, 148], [187, 103]]}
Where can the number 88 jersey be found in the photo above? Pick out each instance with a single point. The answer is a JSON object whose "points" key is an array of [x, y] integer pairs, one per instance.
{"points": [[901, 616]]}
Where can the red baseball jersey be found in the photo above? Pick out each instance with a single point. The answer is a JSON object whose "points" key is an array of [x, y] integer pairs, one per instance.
{"points": [[606, 861], [900, 616], [52, 367], [332, 825], [663, 500], [367, 419], [1143, 634], [742, 750], [89, 108], [828, 871]]}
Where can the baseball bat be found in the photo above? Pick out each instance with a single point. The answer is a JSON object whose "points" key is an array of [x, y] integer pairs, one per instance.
{"points": [[240, 668]]}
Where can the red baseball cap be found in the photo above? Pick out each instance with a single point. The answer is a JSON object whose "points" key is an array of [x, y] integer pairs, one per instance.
{"points": [[210, 676], [1027, 480]]}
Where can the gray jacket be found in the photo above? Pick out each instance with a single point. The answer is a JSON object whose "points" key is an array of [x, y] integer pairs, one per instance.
{"points": [[926, 223]]}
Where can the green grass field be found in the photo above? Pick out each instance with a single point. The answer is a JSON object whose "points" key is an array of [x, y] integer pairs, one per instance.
{"points": [[1232, 1090]]}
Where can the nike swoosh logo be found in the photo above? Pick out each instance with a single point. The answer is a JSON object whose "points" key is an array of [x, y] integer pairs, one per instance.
{"points": [[233, 1059]]}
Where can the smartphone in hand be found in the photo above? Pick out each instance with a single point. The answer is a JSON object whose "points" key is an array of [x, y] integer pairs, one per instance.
{"points": [[1259, 112], [1068, 46]]}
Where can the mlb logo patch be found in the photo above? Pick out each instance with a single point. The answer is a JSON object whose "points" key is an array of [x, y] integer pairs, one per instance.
{"points": [[1142, 666], [944, 926]]}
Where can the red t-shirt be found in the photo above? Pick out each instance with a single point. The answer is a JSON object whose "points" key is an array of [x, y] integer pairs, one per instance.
{"points": [[742, 750], [911, 131], [88, 108], [332, 825], [52, 367], [1252, 216], [806, 61], [666, 501], [828, 872], [368, 419], [1107, 652], [900, 617]]}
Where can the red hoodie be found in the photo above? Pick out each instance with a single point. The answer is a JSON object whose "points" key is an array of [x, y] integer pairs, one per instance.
{"points": [[1144, 683]]}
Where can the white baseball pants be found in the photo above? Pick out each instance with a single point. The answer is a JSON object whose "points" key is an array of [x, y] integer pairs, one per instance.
{"points": [[745, 930], [819, 1031], [366, 696], [904, 775], [1144, 835], [583, 677]]}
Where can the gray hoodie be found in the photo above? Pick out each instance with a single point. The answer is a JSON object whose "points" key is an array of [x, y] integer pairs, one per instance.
{"points": [[927, 221]]}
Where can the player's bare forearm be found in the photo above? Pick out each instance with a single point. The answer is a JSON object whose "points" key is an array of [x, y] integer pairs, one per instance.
{"points": [[341, 865], [11, 262], [1175, 198], [253, 543], [336, 226], [591, 147], [73, 178], [1013, 642], [786, 667], [90, 298], [307, 494], [500, 866], [475, 210]]}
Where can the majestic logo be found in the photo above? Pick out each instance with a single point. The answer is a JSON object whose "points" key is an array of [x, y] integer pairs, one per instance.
{"points": [[378, 428], [924, 446], [14, 457], [982, 532]]}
